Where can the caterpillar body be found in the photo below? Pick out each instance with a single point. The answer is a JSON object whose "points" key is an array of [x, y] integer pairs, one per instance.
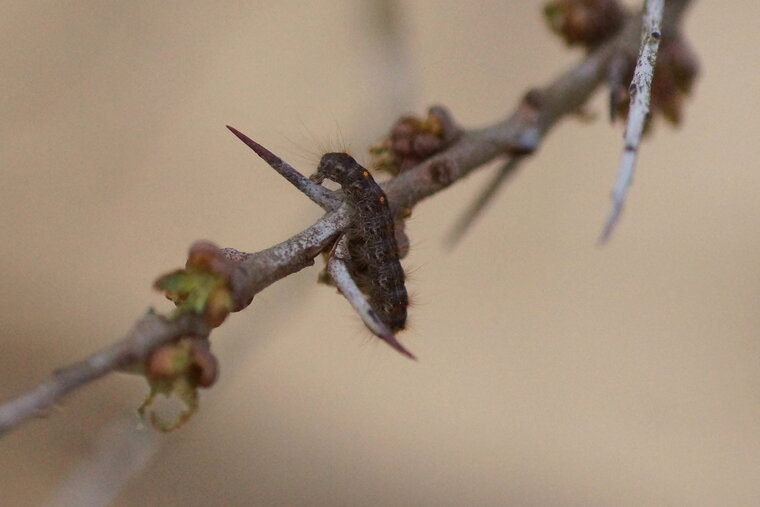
{"points": [[371, 238]]}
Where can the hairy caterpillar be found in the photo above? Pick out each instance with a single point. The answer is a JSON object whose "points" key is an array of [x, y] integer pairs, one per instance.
{"points": [[371, 239]]}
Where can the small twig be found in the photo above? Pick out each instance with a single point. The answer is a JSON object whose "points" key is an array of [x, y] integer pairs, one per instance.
{"points": [[338, 271], [148, 333], [477, 206], [640, 90]]}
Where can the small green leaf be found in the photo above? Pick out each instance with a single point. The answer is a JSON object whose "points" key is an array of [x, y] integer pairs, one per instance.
{"points": [[197, 290]]}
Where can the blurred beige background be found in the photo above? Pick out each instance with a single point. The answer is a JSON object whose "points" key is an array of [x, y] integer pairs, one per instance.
{"points": [[551, 372]]}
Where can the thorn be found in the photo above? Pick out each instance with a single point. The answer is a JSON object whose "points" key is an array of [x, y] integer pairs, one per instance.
{"points": [[338, 271], [393, 342], [268, 157], [610, 223], [325, 198], [640, 91]]}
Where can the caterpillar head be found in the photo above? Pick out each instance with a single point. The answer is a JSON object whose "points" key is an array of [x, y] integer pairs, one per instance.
{"points": [[335, 166]]}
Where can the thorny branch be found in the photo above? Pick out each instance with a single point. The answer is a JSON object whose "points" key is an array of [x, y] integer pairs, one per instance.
{"points": [[517, 136]]}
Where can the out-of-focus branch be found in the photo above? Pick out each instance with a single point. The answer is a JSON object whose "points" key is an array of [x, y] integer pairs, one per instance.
{"points": [[541, 108], [148, 333], [118, 452], [517, 135], [476, 208], [253, 273]]}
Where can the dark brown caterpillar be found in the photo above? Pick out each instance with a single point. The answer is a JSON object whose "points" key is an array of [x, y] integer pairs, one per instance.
{"points": [[371, 240]]}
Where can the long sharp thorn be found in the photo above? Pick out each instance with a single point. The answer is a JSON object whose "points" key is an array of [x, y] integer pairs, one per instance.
{"points": [[268, 157], [339, 272], [317, 193], [393, 342]]}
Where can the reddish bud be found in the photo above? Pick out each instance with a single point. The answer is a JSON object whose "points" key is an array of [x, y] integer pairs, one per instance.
{"points": [[412, 140], [206, 255], [205, 366], [188, 358], [584, 22], [166, 362]]}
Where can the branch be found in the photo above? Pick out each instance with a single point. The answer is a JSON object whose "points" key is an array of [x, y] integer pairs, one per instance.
{"points": [[147, 334], [518, 135], [640, 91], [253, 273]]}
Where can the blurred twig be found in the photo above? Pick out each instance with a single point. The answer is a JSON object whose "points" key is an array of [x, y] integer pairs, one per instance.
{"points": [[477, 207], [640, 90], [148, 333], [120, 452]]}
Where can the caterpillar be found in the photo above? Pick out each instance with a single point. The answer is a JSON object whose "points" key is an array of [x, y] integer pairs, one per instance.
{"points": [[371, 238]]}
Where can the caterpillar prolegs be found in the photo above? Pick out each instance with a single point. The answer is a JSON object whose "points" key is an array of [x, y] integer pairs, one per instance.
{"points": [[371, 240]]}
